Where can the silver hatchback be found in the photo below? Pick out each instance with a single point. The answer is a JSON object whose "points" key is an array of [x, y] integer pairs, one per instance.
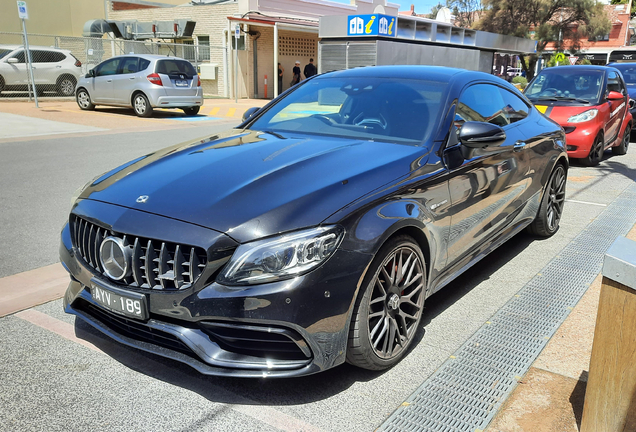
{"points": [[142, 82]]}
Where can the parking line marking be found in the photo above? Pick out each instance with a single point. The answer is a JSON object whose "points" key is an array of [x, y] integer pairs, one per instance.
{"points": [[215, 111], [263, 414], [230, 112], [66, 330], [586, 202]]}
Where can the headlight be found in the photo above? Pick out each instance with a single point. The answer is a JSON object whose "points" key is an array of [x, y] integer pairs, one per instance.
{"points": [[281, 257], [583, 117]]}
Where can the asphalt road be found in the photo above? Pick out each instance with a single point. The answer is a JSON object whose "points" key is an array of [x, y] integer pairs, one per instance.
{"points": [[59, 374]]}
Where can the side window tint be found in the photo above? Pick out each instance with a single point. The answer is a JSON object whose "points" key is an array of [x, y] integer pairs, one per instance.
{"points": [[129, 65], [143, 64], [20, 56], [109, 67], [614, 82], [514, 108], [483, 103], [57, 57]]}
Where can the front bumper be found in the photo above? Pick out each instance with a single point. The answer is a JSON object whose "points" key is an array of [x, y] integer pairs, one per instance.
{"points": [[579, 141], [207, 326]]}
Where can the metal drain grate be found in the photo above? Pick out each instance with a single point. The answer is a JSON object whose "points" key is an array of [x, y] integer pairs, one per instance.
{"points": [[465, 393]]}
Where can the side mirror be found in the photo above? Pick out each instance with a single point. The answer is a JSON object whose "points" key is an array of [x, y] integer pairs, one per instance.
{"points": [[250, 112], [12, 60], [479, 134], [90, 74], [632, 103], [614, 95]]}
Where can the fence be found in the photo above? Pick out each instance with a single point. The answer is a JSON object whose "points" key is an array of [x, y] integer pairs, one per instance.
{"points": [[55, 73]]}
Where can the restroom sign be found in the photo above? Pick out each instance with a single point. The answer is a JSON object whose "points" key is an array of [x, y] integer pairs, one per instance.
{"points": [[372, 25]]}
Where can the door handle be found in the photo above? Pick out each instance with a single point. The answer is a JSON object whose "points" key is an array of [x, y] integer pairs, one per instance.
{"points": [[58, 67], [109, 80], [519, 145], [131, 78]]}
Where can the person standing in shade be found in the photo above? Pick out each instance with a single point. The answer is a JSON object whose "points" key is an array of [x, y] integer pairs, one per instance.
{"points": [[310, 69], [281, 71], [296, 71]]}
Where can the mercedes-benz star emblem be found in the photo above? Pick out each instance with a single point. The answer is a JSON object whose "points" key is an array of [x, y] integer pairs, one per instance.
{"points": [[115, 258], [142, 199]]}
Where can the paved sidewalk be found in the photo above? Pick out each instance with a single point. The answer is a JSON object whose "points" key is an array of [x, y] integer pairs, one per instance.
{"points": [[549, 398]]}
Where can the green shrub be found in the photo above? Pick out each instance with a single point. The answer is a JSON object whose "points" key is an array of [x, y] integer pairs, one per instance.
{"points": [[521, 81]]}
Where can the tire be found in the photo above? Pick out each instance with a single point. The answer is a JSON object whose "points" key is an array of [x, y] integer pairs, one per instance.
{"points": [[1, 83], [546, 223], [83, 100], [191, 111], [596, 152], [66, 85], [621, 149], [141, 105], [387, 314]]}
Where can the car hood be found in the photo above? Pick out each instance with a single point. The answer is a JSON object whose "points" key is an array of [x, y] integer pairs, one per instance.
{"points": [[251, 184]]}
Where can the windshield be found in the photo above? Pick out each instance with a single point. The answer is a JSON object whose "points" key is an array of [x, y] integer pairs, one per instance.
{"points": [[627, 69], [4, 52], [574, 85], [396, 110]]}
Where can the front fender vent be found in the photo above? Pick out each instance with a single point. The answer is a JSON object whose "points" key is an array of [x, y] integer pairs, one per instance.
{"points": [[155, 264]]}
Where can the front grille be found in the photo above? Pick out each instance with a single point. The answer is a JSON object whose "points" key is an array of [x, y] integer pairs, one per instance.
{"points": [[132, 329], [155, 264], [265, 342]]}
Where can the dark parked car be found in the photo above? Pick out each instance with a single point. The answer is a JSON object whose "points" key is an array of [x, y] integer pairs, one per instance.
{"points": [[628, 70], [311, 234]]}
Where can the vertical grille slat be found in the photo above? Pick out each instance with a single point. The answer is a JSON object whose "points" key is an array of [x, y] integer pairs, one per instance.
{"points": [[136, 263], [150, 258], [155, 264]]}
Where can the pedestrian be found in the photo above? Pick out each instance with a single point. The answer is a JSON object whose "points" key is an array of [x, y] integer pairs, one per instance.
{"points": [[310, 69], [296, 71], [281, 71]]}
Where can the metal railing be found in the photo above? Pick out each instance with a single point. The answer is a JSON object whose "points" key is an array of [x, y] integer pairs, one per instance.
{"points": [[58, 61]]}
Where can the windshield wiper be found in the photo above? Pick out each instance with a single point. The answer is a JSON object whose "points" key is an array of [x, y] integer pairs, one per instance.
{"points": [[572, 98], [273, 133], [551, 98]]}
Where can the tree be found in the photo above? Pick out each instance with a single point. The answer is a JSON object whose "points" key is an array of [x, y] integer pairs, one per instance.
{"points": [[632, 12], [465, 11], [558, 21]]}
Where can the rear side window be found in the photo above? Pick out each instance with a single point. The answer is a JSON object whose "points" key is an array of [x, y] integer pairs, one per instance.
{"points": [[128, 65], [170, 67], [143, 64], [40, 56]]}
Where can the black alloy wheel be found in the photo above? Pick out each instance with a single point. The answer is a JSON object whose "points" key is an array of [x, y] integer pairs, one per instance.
{"points": [[191, 111], [66, 86], [596, 152], [549, 215], [141, 105], [621, 149], [388, 312], [83, 100]]}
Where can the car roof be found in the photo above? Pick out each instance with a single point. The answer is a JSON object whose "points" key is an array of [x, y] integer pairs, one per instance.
{"points": [[434, 73], [583, 68], [151, 56], [34, 47]]}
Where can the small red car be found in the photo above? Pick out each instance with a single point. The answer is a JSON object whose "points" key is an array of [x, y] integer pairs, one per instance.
{"points": [[591, 103]]}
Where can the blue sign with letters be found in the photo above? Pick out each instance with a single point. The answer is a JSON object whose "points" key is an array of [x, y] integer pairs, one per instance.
{"points": [[372, 25]]}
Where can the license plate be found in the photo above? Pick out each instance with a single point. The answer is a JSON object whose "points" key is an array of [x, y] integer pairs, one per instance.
{"points": [[181, 83], [132, 305]]}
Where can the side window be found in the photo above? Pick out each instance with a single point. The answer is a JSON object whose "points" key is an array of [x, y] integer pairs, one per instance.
{"points": [[20, 56], [483, 103], [57, 56], [129, 65], [515, 108], [143, 64], [614, 83], [109, 67], [38, 56]]}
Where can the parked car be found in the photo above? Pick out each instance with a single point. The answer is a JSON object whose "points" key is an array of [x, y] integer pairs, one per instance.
{"points": [[628, 71], [592, 105], [53, 69], [513, 72], [142, 82], [312, 233]]}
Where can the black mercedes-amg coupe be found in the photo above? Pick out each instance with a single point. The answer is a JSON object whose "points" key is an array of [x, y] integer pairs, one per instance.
{"points": [[312, 233]]}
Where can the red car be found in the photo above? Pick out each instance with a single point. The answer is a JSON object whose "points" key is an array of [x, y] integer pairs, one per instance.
{"points": [[591, 103]]}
